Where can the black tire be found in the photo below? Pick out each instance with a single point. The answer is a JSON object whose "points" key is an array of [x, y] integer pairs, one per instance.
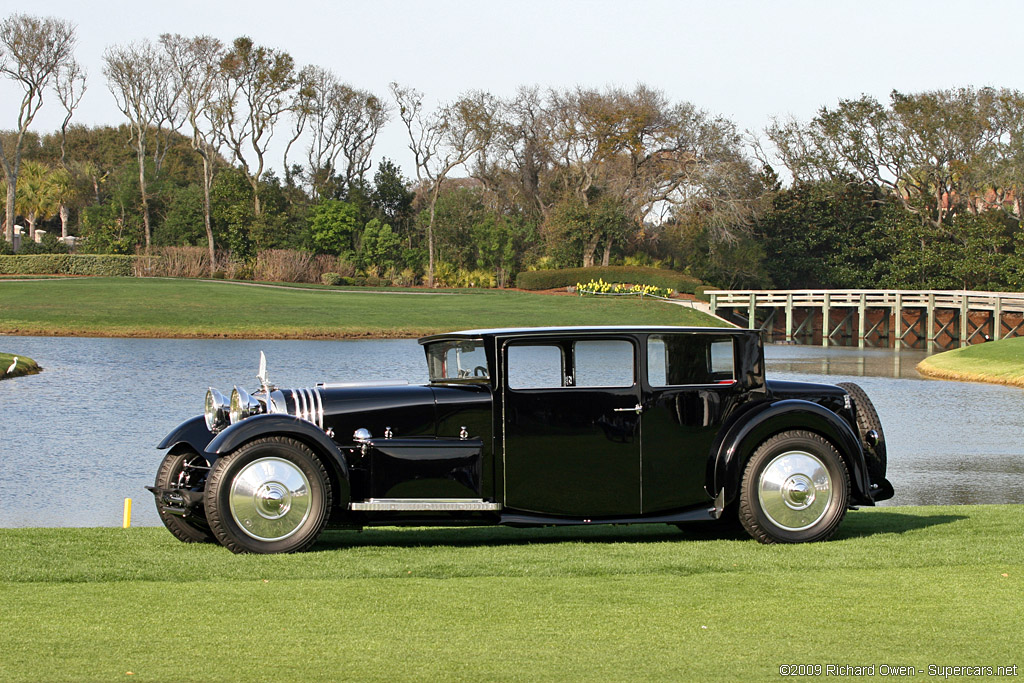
{"points": [[279, 505], [795, 489], [170, 475], [867, 419]]}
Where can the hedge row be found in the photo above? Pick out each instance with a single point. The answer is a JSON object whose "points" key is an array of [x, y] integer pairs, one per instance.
{"points": [[633, 275], [109, 265]]}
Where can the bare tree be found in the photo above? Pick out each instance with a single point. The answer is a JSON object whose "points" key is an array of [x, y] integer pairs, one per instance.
{"points": [[195, 66], [70, 87], [343, 123], [34, 52], [254, 92], [442, 141], [139, 76]]}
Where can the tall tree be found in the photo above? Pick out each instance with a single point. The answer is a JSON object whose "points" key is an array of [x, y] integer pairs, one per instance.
{"points": [[442, 141], [936, 153], [254, 91], [34, 52], [139, 76], [70, 87], [342, 123], [195, 65]]}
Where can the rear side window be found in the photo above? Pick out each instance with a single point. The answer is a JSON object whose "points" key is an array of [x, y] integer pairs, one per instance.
{"points": [[602, 363], [535, 366], [681, 359]]}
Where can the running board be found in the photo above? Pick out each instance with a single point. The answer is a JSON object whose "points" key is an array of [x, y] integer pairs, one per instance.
{"points": [[424, 505]]}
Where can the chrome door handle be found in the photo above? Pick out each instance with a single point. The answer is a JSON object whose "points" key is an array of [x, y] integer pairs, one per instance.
{"points": [[635, 409]]}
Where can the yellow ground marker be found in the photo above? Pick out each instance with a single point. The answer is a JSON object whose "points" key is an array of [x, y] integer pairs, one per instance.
{"points": [[127, 513]]}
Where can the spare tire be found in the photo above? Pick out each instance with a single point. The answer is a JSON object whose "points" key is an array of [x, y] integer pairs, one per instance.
{"points": [[867, 420]]}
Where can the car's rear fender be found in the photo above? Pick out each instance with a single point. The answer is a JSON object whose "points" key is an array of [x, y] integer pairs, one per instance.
{"points": [[741, 439]]}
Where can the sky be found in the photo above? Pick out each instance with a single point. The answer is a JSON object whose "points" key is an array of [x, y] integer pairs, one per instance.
{"points": [[749, 61]]}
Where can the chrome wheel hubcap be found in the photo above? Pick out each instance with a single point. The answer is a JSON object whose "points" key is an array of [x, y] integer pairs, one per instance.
{"points": [[270, 499], [795, 490]]}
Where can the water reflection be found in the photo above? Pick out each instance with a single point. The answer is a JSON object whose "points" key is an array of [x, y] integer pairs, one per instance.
{"points": [[80, 437]]}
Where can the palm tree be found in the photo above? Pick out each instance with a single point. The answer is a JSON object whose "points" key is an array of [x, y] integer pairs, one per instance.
{"points": [[36, 195]]}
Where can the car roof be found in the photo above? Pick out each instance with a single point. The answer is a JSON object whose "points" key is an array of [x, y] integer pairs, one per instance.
{"points": [[579, 330]]}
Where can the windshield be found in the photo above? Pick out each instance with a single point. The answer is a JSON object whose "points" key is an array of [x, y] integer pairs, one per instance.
{"points": [[461, 359]]}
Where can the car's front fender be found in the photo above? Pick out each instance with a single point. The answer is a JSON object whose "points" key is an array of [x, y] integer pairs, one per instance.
{"points": [[191, 432], [754, 427], [276, 424]]}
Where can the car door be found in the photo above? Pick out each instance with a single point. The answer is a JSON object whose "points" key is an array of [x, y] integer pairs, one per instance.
{"points": [[690, 387], [571, 427]]}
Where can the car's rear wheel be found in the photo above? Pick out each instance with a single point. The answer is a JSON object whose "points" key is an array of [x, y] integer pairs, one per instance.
{"points": [[182, 470], [271, 495], [867, 421], [794, 490]]}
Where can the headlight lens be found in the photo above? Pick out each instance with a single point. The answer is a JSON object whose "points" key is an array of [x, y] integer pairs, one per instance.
{"points": [[216, 410], [243, 405]]}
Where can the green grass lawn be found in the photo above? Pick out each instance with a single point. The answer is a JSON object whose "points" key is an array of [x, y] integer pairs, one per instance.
{"points": [[1000, 362], [24, 366], [189, 308], [899, 586]]}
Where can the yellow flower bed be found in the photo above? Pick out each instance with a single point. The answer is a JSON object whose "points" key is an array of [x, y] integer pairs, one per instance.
{"points": [[602, 287]]}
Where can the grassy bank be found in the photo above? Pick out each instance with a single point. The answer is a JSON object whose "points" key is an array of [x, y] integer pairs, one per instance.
{"points": [[1000, 362], [24, 366], [910, 586], [124, 307]]}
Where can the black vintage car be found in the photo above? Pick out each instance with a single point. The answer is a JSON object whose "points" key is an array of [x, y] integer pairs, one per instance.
{"points": [[533, 426]]}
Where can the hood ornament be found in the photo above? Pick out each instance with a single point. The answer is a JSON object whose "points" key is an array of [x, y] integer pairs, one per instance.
{"points": [[262, 375]]}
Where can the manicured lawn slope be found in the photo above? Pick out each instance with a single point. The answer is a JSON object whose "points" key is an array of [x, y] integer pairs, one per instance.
{"points": [[189, 308], [912, 586], [1000, 362]]}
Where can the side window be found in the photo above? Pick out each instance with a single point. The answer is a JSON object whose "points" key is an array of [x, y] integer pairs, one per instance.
{"points": [[601, 363], [535, 366], [680, 359]]}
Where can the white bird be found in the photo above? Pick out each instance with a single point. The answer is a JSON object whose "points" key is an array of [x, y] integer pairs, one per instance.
{"points": [[13, 365]]}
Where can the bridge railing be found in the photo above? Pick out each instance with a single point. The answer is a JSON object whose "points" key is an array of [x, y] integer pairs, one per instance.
{"points": [[1008, 302]]}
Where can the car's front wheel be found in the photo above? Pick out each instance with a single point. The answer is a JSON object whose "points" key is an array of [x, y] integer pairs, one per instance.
{"points": [[271, 495], [795, 489]]}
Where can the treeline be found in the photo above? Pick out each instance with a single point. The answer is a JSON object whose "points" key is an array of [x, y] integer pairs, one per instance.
{"points": [[921, 191]]}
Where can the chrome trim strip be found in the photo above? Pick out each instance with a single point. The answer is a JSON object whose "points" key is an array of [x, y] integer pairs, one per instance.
{"points": [[320, 408], [295, 401], [307, 408], [425, 505], [373, 383]]}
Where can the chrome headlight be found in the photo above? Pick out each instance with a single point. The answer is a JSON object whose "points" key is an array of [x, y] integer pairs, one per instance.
{"points": [[216, 410], [243, 405]]}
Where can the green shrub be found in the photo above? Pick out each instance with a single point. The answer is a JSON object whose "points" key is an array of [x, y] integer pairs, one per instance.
{"points": [[107, 265], [331, 279], [634, 275]]}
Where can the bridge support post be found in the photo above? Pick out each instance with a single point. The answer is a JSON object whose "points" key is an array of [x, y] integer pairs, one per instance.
{"points": [[826, 319], [965, 317], [929, 332], [862, 310], [897, 337], [997, 319], [752, 312], [789, 316]]}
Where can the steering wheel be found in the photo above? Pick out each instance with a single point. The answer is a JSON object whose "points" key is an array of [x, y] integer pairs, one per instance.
{"points": [[480, 371]]}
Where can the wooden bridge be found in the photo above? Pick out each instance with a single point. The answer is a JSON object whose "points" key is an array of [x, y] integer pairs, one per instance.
{"points": [[875, 317]]}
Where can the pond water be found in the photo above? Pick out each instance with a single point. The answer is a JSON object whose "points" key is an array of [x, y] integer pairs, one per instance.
{"points": [[80, 437]]}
